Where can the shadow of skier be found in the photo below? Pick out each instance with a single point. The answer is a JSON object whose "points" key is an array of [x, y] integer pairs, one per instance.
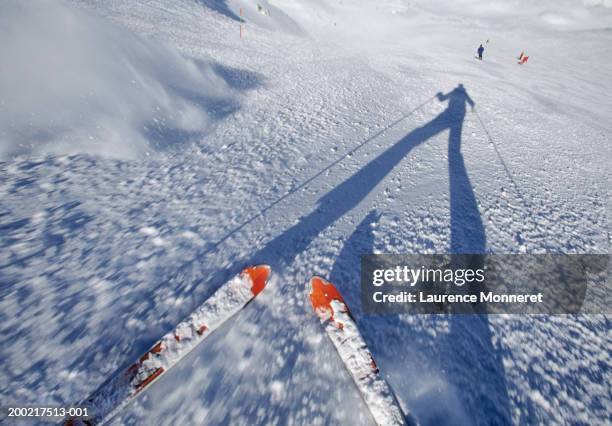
{"points": [[471, 365], [347, 195], [475, 368]]}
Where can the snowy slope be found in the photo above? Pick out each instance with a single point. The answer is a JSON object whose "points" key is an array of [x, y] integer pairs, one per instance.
{"points": [[327, 147]]}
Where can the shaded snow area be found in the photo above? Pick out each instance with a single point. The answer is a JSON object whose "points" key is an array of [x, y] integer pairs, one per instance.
{"points": [[148, 153]]}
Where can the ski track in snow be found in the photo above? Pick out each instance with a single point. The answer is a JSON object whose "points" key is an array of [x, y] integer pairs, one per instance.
{"points": [[101, 257]]}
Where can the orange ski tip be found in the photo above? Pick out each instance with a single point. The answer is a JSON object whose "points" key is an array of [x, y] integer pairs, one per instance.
{"points": [[322, 293], [259, 277]]}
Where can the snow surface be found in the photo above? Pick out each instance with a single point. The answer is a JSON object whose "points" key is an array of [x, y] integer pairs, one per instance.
{"points": [[315, 138]]}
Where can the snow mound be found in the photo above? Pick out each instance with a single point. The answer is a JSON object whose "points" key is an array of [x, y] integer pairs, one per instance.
{"points": [[72, 82]]}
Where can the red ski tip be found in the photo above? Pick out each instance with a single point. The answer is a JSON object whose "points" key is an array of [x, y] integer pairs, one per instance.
{"points": [[259, 277], [323, 292]]}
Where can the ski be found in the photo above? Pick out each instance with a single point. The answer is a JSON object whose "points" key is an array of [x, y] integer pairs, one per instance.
{"points": [[117, 392], [340, 326]]}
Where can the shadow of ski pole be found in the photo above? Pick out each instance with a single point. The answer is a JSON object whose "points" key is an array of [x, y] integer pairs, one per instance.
{"points": [[263, 211], [501, 159]]}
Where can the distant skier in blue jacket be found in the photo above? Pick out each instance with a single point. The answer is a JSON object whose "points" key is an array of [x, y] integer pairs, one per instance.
{"points": [[480, 51]]}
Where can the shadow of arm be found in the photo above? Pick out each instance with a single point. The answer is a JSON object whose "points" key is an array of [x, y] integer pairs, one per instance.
{"points": [[442, 97]]}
